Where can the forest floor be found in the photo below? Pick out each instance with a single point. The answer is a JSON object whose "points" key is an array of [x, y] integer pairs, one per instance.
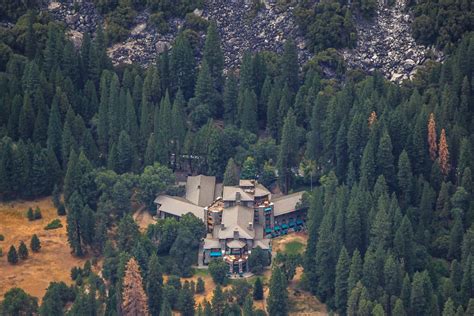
{"points": [[52, 263], [302, 303]]}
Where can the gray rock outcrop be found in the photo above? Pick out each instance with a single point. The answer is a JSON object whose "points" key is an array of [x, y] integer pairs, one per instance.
{"points": [[385, 44]]}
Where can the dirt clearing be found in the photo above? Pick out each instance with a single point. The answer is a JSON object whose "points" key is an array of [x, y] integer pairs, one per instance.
{"points": [[52, 263]]}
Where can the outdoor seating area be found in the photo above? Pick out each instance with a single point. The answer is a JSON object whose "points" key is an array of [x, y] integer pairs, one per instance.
{"points": [[286, 227]]}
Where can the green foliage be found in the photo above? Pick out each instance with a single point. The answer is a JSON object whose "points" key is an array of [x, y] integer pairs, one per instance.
{"points": [[277, 302], [18, 302], [22, 251], [258, 290], [12, 255], [258, 260], [54, 224], [219, 270], [200, 288], [326, 25]]}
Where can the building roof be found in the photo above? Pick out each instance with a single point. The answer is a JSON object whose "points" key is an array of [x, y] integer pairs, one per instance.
{"points": [[262, 243], [237, 218], [246, 183], [229, 194], [260, 190], [211, 243], [286, 204], [200, 189], [178, 206], [236, 244]]}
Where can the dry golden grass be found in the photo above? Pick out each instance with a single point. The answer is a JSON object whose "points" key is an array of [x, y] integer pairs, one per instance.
{"points": [[52, 263]]}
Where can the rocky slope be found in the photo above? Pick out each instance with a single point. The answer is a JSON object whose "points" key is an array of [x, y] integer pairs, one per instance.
{"points": [[384, 43]]}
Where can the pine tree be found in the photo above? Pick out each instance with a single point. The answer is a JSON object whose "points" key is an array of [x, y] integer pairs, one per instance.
{"points": [[258, 290], [182, 66], [403, 243], [22, 251], [230, 174], [421, 294], [35, 243], [178, 125], [277, 302], [134, 299], [154, 285], [443, 154], [74, 217], [218, 301], [186, 301], [455, 240], [433, 146], [248, 113], [248, 309], [399, 309], [325, 257], [289, 66], [125, 153], [12, 255], [230, 99], [341, 283], [213, 55], [405, 179], [165, 308], [385, 160], [27, 117], [449, 309], [288, 149]]}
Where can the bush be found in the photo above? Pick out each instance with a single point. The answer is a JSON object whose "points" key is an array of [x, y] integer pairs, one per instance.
{"points": [[61, 209], [258, 290], [54, 224], [75, 273], [22, 251], [38, 214], [218, 270], [12, 255], [2, 238], [258, 260], [35, 243], [200, 286], [196, 23], [30, 214], [1, 252], [159, 21]]}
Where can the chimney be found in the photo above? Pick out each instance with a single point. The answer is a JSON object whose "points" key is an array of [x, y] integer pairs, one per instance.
{"points": [[237, 198], [236, 234], [250, 227]]}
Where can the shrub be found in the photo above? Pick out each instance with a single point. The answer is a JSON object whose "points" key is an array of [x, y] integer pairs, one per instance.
{"points": [[61, 209], [2, 238], [56, 196], [75, 273], [12, 255], [200, 287], [258, 290], [1, 252], [30, 215], [218, 270], [159, 21], [196, 23], [54, 224], [38, 213], [35, 243], [22, 251]]}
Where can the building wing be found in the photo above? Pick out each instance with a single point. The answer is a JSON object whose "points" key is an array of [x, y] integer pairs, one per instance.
{"points": [[200, 190], [237, 219], [286, 204], [179, 206]]}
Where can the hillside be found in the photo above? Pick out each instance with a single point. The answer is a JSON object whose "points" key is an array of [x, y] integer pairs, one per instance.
{"points": [[384, 41]]}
